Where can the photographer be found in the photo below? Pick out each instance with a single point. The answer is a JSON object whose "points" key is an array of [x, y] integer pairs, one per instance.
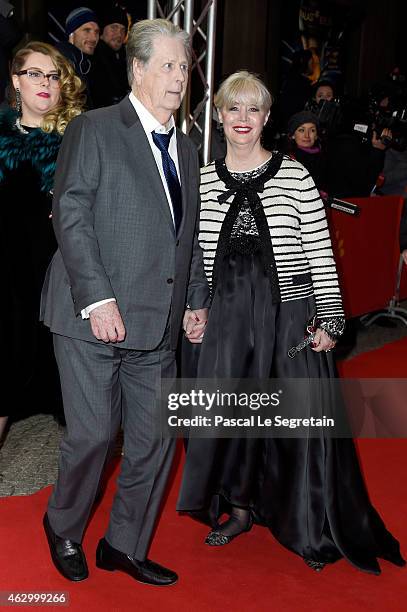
{"points": [[353, 166], [297, 88], [395, 163], [354, 159], [325, 104], [324, 91]]}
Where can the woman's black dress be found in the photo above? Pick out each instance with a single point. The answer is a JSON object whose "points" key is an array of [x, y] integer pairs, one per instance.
{"points": [[27, 244], [309, 492]]}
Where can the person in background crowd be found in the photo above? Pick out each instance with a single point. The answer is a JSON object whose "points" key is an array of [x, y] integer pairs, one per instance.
{"points": [[327, 109], [297, 88], [10, 34], [108, 78], [324, 90], [124, 213], [353, 166], [395, 173], [45, 94], [82, 29], [269, 261], [304, 145]]}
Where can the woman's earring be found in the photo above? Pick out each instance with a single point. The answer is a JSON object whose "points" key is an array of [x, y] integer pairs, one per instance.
{"points": [[221, 132], [19, 106]]}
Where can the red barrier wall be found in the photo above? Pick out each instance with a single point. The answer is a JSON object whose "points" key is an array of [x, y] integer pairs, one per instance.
{"points": [[367, 253]]}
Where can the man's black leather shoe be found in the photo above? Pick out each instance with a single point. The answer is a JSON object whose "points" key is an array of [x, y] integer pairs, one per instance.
{"points": [[148, 572], [68, 557]]}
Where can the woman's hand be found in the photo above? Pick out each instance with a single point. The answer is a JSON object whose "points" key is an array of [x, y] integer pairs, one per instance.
{"points": [[194, 324], [322, 342]]}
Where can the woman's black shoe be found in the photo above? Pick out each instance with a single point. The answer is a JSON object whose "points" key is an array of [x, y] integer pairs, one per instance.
{"points": [[317, 566], [217, 538]]}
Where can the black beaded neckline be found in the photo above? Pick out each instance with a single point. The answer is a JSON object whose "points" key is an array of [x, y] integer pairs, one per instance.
{"points": [[246, 193], [268, 170]]}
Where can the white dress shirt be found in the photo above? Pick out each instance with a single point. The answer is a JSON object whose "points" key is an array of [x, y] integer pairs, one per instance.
{"points": [[150, 124]]}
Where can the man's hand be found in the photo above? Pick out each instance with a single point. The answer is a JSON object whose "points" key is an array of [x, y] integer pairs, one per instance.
{"points": [[404, 256], [322, 342], [377, 142], [194, 324], [107, 324]]}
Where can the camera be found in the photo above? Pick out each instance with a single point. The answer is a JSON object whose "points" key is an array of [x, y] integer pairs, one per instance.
{"points": [[387, 109], [329, 113]]}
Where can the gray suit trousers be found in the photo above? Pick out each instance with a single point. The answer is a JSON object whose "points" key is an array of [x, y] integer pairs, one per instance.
{"points": [[102, 385]]}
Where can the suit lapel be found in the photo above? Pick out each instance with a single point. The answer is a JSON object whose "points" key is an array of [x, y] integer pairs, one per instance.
{"points": [[141, 152], [183, 169]]}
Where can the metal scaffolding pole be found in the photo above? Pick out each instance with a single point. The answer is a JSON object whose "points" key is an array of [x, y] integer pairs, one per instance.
{"points": [[177, 14], [202, 28], [210, 65], [184, 110], [151, 9]]}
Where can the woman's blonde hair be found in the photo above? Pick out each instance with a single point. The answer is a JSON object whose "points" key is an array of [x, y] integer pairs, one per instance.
{"points": [[72, 99], [243, 86]]}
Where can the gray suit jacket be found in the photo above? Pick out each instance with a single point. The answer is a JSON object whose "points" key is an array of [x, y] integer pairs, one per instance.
{"points": [[115, 232]]}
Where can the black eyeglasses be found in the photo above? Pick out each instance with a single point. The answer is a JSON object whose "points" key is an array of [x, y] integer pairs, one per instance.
{"points": [[37, 76]]}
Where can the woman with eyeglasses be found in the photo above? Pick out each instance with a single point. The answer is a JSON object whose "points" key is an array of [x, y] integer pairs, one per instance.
{"points": [[44, 95]]}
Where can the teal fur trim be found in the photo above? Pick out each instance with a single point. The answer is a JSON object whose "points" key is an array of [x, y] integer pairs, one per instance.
{"points": [[37, 146]]}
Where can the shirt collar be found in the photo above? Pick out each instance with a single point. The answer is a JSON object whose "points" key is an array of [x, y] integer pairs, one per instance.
{"points": [[148, 121]]}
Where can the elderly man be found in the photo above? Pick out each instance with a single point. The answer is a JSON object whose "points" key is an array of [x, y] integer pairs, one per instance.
{"points": [[125, 212], [108, 77], [82, 29]]}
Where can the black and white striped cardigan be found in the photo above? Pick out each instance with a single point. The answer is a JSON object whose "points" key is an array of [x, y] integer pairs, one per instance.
{"points": [[301, 245]]}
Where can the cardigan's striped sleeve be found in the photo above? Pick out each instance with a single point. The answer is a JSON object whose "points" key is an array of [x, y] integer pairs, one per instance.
{"points": [[317, 247]]}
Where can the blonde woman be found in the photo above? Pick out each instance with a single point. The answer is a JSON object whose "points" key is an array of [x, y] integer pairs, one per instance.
{"points": [[44, 96], [268, 259]]}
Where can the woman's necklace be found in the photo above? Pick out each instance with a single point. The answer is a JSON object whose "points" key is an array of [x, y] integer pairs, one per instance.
{"points": [[20, 127]]}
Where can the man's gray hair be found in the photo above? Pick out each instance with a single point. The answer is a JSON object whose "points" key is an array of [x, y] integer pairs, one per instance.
{"points": [[141, 39]]}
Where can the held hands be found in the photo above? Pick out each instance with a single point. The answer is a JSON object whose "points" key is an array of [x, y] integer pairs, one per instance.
{"points": [[322, 342], [107, 324], [194, 324]]}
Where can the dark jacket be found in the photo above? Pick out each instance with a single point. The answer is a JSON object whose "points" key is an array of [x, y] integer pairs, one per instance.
{"points": [[116, 235], [352, 167], [82, 63], [27, 244], [315, 163], [108, 76]]}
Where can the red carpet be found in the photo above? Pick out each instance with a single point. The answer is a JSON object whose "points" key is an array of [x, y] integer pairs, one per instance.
{"points": [[254, 573], [390, 361]]}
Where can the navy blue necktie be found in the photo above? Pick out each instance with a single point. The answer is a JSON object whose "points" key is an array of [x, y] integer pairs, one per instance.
{"points": [[162, 141]]}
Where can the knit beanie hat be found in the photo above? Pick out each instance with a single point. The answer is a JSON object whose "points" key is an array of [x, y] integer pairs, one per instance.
{"points": [[113, 15], [78, 17], [299, 118]]}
